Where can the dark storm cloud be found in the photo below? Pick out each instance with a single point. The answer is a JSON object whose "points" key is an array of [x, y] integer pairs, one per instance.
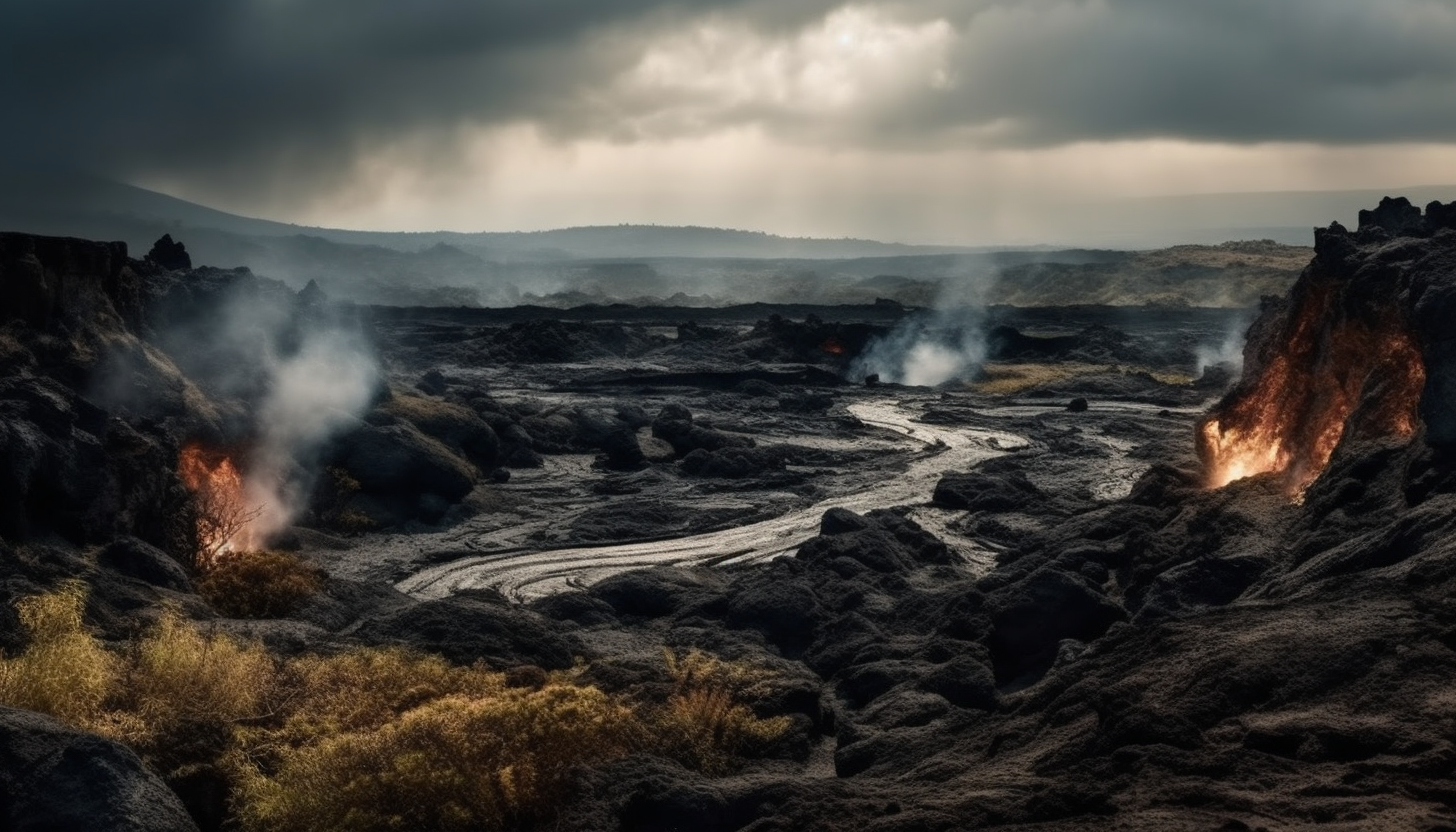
{"points": [[299, 87], [1326, 71], [288, 93]]}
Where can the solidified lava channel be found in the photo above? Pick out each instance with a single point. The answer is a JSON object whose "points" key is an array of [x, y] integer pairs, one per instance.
{"points": [[1324, 374]]}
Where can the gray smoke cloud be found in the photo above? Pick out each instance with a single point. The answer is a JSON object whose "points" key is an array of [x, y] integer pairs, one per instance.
{"points": [[926, 350], [282, 98], [313, 395], [1229, 352], [280, 381], [944, 343]]}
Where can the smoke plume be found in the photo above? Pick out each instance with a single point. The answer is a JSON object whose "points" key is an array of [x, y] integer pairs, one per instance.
{"points": [[926, 350], [313, 395], [1229, 353], [284, 378], [938, 344]]}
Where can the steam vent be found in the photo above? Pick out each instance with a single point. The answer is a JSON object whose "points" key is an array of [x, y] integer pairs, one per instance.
{"points": [[1363, 347]]}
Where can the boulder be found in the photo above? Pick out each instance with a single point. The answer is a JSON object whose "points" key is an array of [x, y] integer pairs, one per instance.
{"points": [[984, 490], [137, 559], [399, 459], [1031, 617], [620, 451], [731, 463], [56, 778], [474, 626], [881, 541]]}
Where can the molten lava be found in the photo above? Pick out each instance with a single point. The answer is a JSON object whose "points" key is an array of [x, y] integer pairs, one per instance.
{"points": [[1328, 375], [224, 513], [832, 346]]}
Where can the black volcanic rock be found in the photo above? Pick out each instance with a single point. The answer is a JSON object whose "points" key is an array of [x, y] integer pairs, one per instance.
{"points": [[621, 451], [469, 627], [675, 426], [45, 280], [1030, 618], [171, 255], [1360, 348], [731, 463], [138, 559], [57, 778], [1396, 216], [399, 459], [986, 490]]}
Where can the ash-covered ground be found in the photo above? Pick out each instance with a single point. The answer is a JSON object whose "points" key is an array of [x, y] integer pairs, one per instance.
{"points": [[782, 429]]}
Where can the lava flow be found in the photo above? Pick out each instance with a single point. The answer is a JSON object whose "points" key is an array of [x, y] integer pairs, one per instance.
{"points": [[224, 513], [1321, 375]]}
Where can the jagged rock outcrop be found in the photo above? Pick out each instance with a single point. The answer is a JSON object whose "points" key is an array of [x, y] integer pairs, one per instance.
{"points": [[1360, 348], [172, 255]]}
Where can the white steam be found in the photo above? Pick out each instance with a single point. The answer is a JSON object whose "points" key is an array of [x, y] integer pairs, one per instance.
{"points": [[925, 351], [314, 394], [928, 349], [1229, 353]]}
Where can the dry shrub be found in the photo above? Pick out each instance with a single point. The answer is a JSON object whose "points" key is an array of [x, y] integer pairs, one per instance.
{"points": [[176, 673], [63, 671], [372, 738], [454, 763], [706, 723], [184, 699], [366, 688], [336, 489], [259, 584]]}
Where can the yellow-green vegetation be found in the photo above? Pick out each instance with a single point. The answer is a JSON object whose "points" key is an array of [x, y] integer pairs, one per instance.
{"points": [[371, 738], [262, 584], [64, 671], [459, 762], [176, 674], [1009, 379], [706, 724]]}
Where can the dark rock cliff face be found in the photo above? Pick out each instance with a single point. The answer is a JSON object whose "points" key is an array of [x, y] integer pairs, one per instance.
{"points": [[1362, 347], [49, 281], [68, 465]]}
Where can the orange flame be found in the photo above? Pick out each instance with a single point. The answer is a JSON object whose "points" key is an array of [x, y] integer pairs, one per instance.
{"points": [[224, 515], [1332, 375]]}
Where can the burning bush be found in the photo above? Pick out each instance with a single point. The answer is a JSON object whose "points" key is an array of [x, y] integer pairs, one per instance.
{"points": [[223, 512]]}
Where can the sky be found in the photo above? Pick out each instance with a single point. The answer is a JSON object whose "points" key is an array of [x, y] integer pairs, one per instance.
{"points": [[957, 121]]}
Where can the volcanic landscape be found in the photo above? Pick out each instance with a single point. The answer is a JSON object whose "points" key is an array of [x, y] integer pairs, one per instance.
{"points": [[836, 566]]}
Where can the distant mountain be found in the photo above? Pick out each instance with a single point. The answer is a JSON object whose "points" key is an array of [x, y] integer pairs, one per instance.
{"points": [[690, 266], [73, 204], [1209, 219]]}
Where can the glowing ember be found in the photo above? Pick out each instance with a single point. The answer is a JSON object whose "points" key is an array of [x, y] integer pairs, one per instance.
{"points": [[1332, 375], [224, 513], [832, 346]]}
